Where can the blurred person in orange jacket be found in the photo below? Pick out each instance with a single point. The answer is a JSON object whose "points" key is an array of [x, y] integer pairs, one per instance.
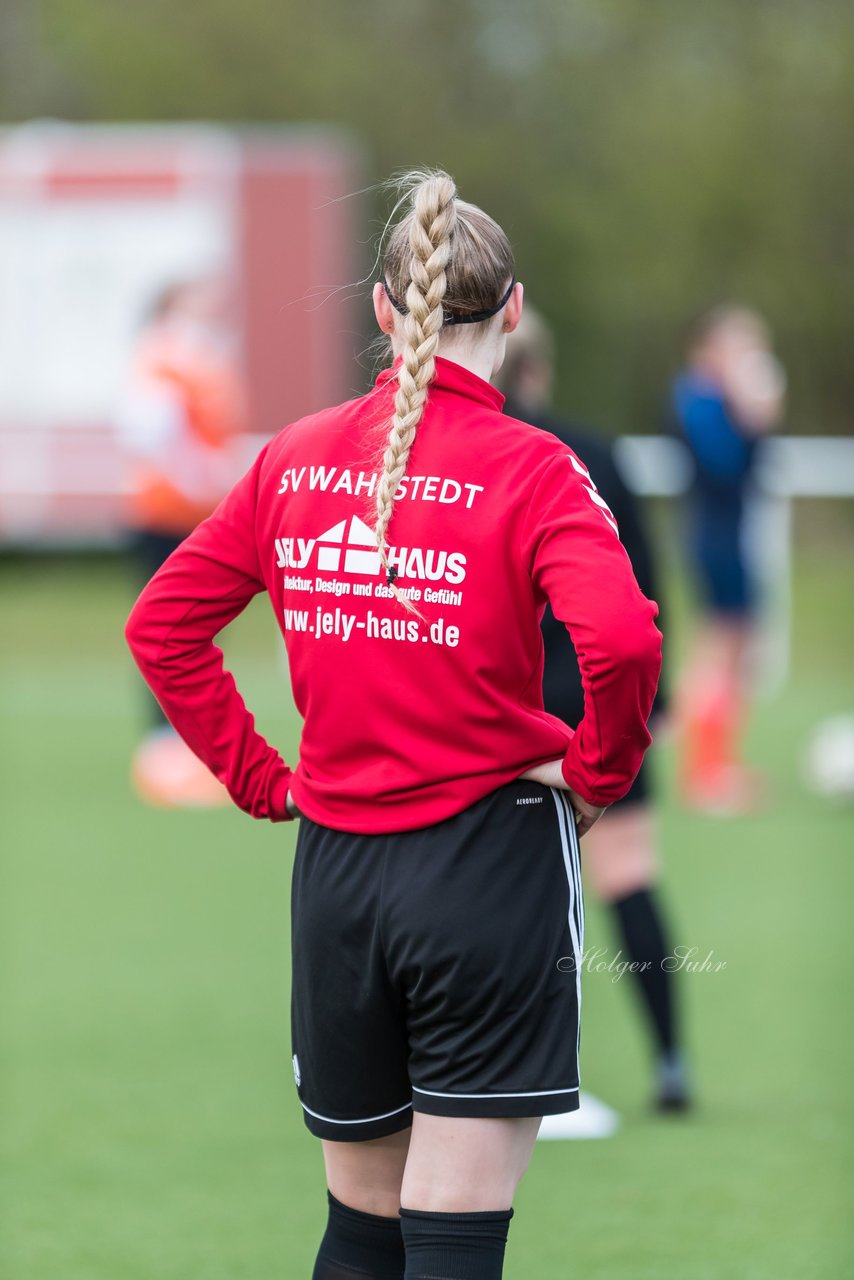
{"points": [[177, 422], [725, 401]]}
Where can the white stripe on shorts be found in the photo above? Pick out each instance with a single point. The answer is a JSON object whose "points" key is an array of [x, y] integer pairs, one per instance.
{"points": [[571, 860], [575, 844], [367, 1119], [538, 1093]]}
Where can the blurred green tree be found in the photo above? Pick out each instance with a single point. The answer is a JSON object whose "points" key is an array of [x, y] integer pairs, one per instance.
{"points": [[647, 158]]}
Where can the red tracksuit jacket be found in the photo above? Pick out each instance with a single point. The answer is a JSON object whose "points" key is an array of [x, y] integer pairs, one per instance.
{"points": [[407, 720]]}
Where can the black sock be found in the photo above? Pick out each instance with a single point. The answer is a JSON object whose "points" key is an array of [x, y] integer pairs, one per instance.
{"points": [[454, 1246], [643, 932], [359, 1246]]}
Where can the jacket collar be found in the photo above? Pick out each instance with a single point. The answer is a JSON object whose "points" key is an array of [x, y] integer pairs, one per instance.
{"points": [[454, 378]]}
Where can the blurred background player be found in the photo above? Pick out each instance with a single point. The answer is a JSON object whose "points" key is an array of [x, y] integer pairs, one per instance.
{"points": [[726, 399], [177, 422], [620, 853]]}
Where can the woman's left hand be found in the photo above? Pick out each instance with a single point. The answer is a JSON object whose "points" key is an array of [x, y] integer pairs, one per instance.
{"points": [[550, 774]]}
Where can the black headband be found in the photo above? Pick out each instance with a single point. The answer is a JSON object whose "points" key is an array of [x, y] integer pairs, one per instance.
{"points": [[474, 317]]}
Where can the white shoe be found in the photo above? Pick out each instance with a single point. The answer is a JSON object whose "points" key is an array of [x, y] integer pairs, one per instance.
{"points": [[593, 1119]]}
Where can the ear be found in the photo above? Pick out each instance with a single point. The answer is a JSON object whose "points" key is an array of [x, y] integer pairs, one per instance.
{"points": [[513, 309], [510, 318], [383, 310]]}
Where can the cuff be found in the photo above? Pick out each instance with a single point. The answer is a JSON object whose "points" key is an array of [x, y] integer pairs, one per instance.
{"points": [[579, 783], [279, 799]]}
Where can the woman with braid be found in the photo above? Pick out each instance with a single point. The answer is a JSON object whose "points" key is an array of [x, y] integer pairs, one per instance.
{"points": [[409, 541]]}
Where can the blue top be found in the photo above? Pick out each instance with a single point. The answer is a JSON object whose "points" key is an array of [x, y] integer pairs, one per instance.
{"points": [[724, 455]]}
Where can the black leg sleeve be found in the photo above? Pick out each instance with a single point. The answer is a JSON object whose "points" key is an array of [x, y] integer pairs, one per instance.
{"points": [[643, 932], [359, 1246], [454, 1246]]}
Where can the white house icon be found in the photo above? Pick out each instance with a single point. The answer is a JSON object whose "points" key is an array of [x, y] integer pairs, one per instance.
{"points": [[355, 561]]}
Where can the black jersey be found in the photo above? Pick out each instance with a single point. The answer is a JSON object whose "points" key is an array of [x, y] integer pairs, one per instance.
{"points": [[562, 690]]}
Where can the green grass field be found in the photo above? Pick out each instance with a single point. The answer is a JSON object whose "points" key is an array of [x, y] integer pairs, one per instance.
{"points": [[150, 1125]]}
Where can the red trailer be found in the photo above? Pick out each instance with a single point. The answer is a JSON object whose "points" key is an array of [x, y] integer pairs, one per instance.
{"points": [[94, 222]]}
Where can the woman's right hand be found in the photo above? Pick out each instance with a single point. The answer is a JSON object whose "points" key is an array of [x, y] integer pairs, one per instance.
{"points": [[550, 774]]}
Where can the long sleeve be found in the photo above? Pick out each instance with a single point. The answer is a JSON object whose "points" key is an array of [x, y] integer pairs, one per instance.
{"points": [[577, 562], [206, 583]]}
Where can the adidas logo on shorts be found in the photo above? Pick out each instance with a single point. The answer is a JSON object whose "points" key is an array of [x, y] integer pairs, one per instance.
{"points": [[530, 800]]}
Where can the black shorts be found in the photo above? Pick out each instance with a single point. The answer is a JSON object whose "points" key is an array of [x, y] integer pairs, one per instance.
{"points": [[724, 576], [439, 969]]}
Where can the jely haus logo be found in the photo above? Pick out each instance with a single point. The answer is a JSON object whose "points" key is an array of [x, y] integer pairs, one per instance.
{"points": [[350, 546]]}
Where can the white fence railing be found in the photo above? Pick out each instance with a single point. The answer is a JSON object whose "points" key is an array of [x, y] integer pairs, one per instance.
{"points": [[792, 466], [65, 489]]}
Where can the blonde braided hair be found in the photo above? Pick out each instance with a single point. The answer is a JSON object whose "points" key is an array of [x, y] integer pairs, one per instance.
{"points": [[431, 230], [444, 257]]}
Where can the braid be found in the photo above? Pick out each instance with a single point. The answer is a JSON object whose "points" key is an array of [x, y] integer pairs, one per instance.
{"points": [[431, 231]]}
